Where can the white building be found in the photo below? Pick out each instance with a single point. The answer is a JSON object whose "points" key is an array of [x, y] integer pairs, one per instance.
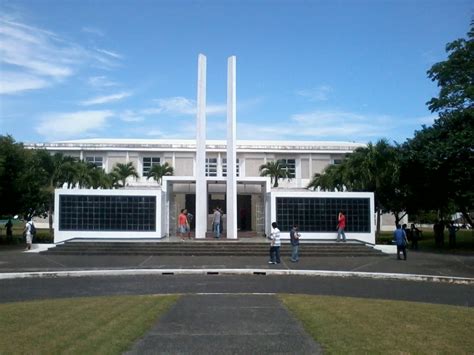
{"points": [[209, 174], [254, 192]]}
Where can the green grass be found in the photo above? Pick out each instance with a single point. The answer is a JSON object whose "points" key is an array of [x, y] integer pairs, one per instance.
{"points": [[360, 326], [464, 241], [95, 325], [42, 235]]}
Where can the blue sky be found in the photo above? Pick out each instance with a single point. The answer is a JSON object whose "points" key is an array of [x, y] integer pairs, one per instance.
{"points": [[306, 70]]}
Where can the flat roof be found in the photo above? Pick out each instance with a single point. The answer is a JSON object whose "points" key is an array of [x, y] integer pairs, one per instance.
{"points": [[190, 145]]}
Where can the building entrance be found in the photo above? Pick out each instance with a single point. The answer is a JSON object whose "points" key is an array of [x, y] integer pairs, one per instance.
{"points": [[244, 212]]}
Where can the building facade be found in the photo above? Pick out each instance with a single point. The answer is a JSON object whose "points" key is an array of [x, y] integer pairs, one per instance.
{"points": [[256, 198], [209, 175]]}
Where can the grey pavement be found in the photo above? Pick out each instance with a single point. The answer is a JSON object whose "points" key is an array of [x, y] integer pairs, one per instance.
{"points": [[227, 324], [417, 263]]}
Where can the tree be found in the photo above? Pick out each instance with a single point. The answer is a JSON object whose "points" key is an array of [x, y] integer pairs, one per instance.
{"points": [[123, 171], [374, 168], [455, 77], [53, 171], [157, 172], [438, 162], [276, 170], [331, 178], [437, 166], [100, 179], [20, 189]]}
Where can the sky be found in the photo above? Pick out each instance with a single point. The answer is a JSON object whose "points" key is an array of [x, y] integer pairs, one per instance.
{"points": [[352, 70]]}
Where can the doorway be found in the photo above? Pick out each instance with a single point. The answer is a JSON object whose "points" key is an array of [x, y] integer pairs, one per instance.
{"points": [[244, 212], [190, 203]]}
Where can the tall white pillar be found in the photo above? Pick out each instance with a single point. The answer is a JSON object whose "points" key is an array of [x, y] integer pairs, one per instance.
{"points": [[231, 150], [201, 184]]}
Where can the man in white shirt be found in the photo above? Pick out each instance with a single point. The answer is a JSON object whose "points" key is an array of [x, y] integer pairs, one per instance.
{"points": [[275, 244], [28, 234]]}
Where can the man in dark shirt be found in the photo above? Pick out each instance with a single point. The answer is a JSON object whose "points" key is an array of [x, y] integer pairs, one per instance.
{"points": [[295, 243]]}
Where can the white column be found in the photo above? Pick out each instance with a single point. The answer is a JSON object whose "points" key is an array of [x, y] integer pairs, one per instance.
{"points": [[231, 150], [201, 184]]}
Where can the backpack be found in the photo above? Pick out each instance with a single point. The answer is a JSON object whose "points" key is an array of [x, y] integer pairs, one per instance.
{"points": [[32, 229]]}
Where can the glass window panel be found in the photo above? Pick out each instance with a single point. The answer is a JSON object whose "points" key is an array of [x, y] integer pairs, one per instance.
{"points": [[98, 161], [107, 213], [290, 166], [211, 166], [148, 162], [224, 167], [314, 214]]}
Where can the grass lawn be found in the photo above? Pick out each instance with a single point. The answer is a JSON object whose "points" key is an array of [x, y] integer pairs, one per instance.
{"points": [[360, 326], [464, 241], [94, 325]]}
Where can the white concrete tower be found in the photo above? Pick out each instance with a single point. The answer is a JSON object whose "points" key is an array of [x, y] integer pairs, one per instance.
{"points": [[231, 150], [201, 183]]}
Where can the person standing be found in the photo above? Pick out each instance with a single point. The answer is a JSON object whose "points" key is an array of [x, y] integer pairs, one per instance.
{"points": [[415, 236], [28, 231], [341, 225], [182, 224], [216, 222], [401, 240], [295, 243], [189, 219], [452, 229], [9, 228], [275, 244]]}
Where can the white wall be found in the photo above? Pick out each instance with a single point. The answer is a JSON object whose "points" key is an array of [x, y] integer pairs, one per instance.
{"points": [[61, 235], [363, 237]]}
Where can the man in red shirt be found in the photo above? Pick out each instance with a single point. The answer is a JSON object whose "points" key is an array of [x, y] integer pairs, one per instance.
{"points": [[341, 225], [183, 223]]}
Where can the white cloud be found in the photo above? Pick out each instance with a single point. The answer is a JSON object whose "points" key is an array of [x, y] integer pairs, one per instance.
{"points": [[324, 125], [321, 93], [93, 30], [71, 124], [155, 133], [182, 106], [30, 51], [177, 105], [106, 99], [100, 82], [109, 53], [12, 82], [131, 116]]}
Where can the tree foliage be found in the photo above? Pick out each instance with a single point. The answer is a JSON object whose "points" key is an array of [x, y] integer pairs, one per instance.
{"points": [[374, 168], [276, 170], [455, 77], [123, 171], [157, 172], [438, 161]]}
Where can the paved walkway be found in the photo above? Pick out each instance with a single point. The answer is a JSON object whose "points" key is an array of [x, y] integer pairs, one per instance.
{"points": [[227, 324], [419, 263]]}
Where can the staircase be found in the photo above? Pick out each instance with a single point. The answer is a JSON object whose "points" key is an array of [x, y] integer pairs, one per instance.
{"points": [[208, 248]]}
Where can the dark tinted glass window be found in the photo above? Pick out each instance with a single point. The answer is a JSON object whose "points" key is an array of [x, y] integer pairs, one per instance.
{"points": [[107, 213], [320, 214]]}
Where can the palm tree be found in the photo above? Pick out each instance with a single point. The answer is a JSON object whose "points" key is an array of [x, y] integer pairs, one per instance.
{"points": [[123, 171], [54, 170], [276, 170], [84, 171], [100, 179], [157, 172]]}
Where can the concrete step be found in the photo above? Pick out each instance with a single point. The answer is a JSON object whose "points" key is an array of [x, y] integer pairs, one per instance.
{"points": [[207, 249]]}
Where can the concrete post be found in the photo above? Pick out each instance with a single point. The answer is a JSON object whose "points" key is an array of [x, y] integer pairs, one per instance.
{"points": [[231, 150], [201, 183]]}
